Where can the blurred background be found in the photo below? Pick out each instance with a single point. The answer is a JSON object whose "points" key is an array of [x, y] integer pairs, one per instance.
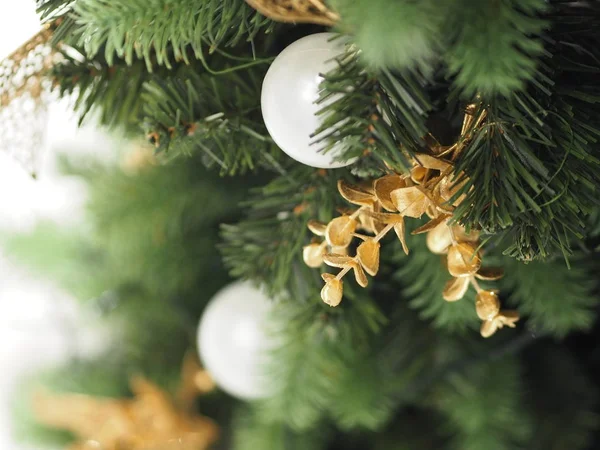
{"points": [[40, 325]]}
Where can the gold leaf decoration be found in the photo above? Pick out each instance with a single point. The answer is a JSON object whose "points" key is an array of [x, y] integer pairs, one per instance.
{"points": [[410, 201], [313, 255], [455, 289], [488, 328], [504, 318], [400, 230], [487, 305], [368, 256], [490, 273], [439, 239], [355, 195], [316, 227], [340, 261], [333, 291], [463, 260], [430, 188], [460, 234], [360, 276], [340, 231], [433, 223], [431, 162], [384, 187]]}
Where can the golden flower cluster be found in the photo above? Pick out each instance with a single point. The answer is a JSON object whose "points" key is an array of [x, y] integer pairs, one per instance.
{"points": [[383, 204]]}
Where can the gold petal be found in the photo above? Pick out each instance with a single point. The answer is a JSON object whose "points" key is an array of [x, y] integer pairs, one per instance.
{"points": [[361, 277], [316, 227], [417, 174], [387, 218], [327, 276], [461, 235], [340, 231], [431, 162], [439, 239], [487, 305], [339, 250], [400, 230], [449, 187], [507, 318], [463, 260], [455, 289], [333, 292], [488, 328], [384, 187], [377, 225], [368, 256], [313, 255], [432, 211], [410, 201], [490, 273], [431, 224], [355, 194], [341, 261]]}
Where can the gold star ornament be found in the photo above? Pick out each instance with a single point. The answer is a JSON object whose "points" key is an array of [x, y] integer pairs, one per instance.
{"points": [[151, 420]]}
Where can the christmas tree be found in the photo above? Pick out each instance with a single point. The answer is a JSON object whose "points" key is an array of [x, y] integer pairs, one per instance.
{"points": [[287, 140]]}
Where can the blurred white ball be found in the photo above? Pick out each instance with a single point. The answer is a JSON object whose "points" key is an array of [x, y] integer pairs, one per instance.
{"points": [[232, 341], [289, 92]]}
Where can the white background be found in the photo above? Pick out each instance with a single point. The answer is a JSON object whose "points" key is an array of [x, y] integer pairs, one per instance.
{"points": [[39, 325]]}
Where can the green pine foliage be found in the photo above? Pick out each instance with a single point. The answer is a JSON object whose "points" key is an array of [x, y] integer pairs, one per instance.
{"points": [[483, 406], [394, 366], [494, 45], [145, 32], [491, 47], [269, 240], [251, 434], [422, 276], [557, 299], [382, 32], [370, 116]]}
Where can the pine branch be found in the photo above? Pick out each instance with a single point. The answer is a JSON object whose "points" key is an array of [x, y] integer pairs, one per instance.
{"points": [[372, 115], [152, 229], [185, 110], [494, 45], [557, 299], [533, 167], [337, 353], [218, 116], [267, 245], [52, 8], [422, 277], [484, 407], [113, 91], [380, 375], [152, 29], [394, 34], [251, 434]]}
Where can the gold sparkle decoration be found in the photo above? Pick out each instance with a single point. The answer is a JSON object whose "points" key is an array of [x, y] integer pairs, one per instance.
{"points": [[151, 420], [296, 11], [429, 189], [25, 92]]}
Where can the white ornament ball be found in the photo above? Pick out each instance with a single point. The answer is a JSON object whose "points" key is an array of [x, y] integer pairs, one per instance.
{"points": [[232, 341], [289, 92]]}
